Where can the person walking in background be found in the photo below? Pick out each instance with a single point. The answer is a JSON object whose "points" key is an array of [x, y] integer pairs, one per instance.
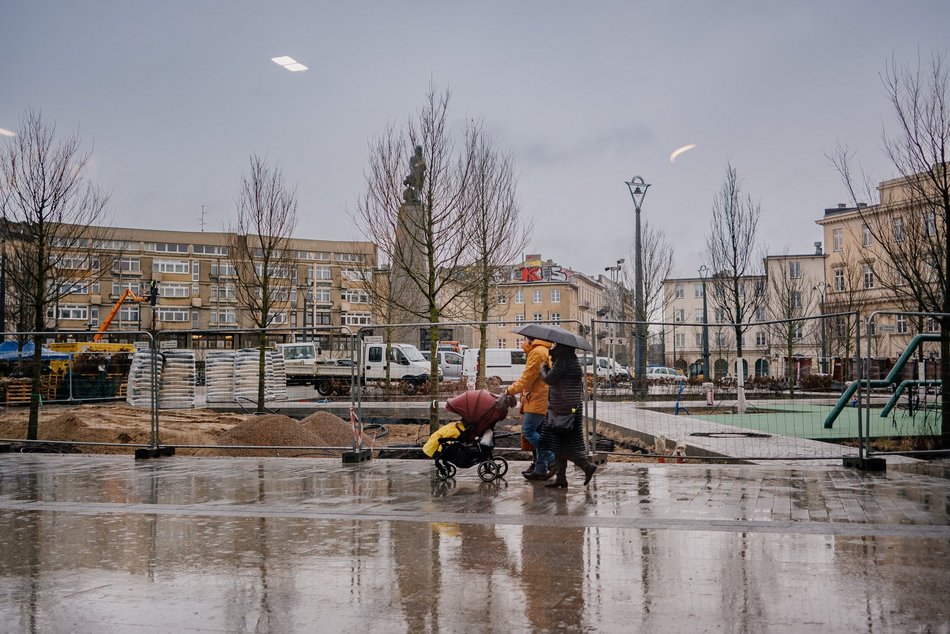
{"points": [[565, 397], [534, 405]]}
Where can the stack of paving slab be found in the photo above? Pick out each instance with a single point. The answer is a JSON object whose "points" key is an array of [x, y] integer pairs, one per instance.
{"points": [[219, 376], [275, 376], [139, 391], [246, 366], [178, 380]]}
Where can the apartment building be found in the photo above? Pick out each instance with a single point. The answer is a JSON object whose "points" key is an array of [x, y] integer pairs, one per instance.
{"points": [[862, 279], [197, 287], [542, 290]]}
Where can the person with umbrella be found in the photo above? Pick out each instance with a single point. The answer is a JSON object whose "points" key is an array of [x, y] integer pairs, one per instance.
{"points": [[565, 400], [534, 404]]}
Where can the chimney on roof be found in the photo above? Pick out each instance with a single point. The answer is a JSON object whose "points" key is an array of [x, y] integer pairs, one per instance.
{"points": [[862, 205], [842, 205], [818, 248]]}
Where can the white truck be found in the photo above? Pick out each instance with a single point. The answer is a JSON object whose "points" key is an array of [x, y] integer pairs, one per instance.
{"points": [[407, 367]]}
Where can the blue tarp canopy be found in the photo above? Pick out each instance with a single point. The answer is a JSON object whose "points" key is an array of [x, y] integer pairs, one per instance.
{"points": [[9, 351]]}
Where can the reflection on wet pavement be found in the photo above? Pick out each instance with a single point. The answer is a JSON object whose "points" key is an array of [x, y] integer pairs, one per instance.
{"points": [[101, 544]]}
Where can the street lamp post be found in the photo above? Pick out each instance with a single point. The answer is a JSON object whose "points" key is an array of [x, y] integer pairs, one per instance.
{"points": [[3, 289], [821, 287], [703, 270], [673, 362], [638, 191]]}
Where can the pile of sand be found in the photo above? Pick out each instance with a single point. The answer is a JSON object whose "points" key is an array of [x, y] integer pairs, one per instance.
{"points": [[268, 430], [332, 430]]}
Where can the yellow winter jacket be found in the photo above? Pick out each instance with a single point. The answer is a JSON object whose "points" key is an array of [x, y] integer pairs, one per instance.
{"points": [[433, 446], [534, 391]]}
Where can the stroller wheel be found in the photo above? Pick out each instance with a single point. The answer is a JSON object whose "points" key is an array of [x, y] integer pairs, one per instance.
{"points": [[487, 471], [502, 465], [444, 470]]}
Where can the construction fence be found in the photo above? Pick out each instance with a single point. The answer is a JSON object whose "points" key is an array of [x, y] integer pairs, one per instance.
{"points": [[815, 389]]}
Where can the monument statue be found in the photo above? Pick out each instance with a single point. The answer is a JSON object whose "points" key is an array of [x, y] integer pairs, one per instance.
{"points": [[417, 174]]}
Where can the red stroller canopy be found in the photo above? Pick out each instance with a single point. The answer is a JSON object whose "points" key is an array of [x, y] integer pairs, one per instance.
{"points": [[478, 411]]}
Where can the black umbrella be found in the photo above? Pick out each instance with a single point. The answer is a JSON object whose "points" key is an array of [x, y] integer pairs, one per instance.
{"points": [[554, 334]]}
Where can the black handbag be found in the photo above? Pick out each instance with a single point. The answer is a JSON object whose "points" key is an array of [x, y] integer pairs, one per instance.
{"points": [[561, 423]]}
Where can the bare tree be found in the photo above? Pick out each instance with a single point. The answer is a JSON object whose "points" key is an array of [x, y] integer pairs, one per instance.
{"points": [[259, 247], [419, 221], [50, 219], [789, 298], [733, 255], [657, 262], [911, 231], [497, 234]]}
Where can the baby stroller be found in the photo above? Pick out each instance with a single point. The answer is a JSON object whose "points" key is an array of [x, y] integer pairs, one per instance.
{"points": [[474, 441]]}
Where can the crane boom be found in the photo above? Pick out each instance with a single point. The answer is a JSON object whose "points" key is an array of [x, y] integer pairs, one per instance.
{"points": [[104, 326]]}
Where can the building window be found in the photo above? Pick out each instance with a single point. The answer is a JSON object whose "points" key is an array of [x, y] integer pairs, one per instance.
{"points": [[519, 319], [698, 291], [556, 318], [538, 316], [127, 265], [129, 312], [679, 292], [277, 319], [322, 296], [172, 314], [519, 296], [209, 249], [796, 299], [868, 276], [680, 339], [839, 280], [536, 297], [930, 224], [74, 262], [679, 314], [356, 319], [348, 257], [174, 290], [69, 311], [502, 343], [760, 314], [795, 270], [353, 275], [699, 339], [836, 240], [902, 324], [171, 266], [228, 292], [555, 296], [224, 316], [898, 227], [761, 339], [799, 331], [502, 298], [223, 269], [866, 236], [322, 273], [323, 319], [166, 247], [356, 296]]}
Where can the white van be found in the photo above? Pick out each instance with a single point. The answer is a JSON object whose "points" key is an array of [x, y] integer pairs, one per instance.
{"points": [[607, 368], [503, 364]]}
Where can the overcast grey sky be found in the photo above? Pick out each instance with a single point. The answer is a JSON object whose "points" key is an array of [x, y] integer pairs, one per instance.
{"points": [[173, 96]]}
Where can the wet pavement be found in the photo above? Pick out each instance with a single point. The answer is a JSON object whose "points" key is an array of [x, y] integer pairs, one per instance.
{"points": [[107, 544]]}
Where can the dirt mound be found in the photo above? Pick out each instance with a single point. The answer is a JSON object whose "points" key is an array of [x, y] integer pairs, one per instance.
{"points": [[332, 430], [269, 430]]}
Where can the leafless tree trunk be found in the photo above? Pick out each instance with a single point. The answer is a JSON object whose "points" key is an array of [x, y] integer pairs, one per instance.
{"points": [[51, 217], [733, 255], [497, 233], [912, 234], [422, 234], [259, 248]]}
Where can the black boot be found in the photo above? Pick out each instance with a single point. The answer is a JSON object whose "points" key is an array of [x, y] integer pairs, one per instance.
{"points": [[589, 470]]}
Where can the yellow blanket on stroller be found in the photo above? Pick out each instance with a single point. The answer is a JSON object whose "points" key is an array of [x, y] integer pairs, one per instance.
{"points": [[452, 430]]}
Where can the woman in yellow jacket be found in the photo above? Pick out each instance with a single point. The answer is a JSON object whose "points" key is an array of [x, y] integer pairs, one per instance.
{"points": [[534, 404]]}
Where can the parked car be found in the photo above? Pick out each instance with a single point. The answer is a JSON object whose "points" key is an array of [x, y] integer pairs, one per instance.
{"points": [[504, 365], [449, 362], [661, 374]]}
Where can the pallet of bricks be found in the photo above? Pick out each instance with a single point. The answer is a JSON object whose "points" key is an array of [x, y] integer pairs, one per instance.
{"points": [[17, 391]]}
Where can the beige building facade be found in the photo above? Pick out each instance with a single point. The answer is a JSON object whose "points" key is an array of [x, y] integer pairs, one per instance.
{"points": [[197, 288]]}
